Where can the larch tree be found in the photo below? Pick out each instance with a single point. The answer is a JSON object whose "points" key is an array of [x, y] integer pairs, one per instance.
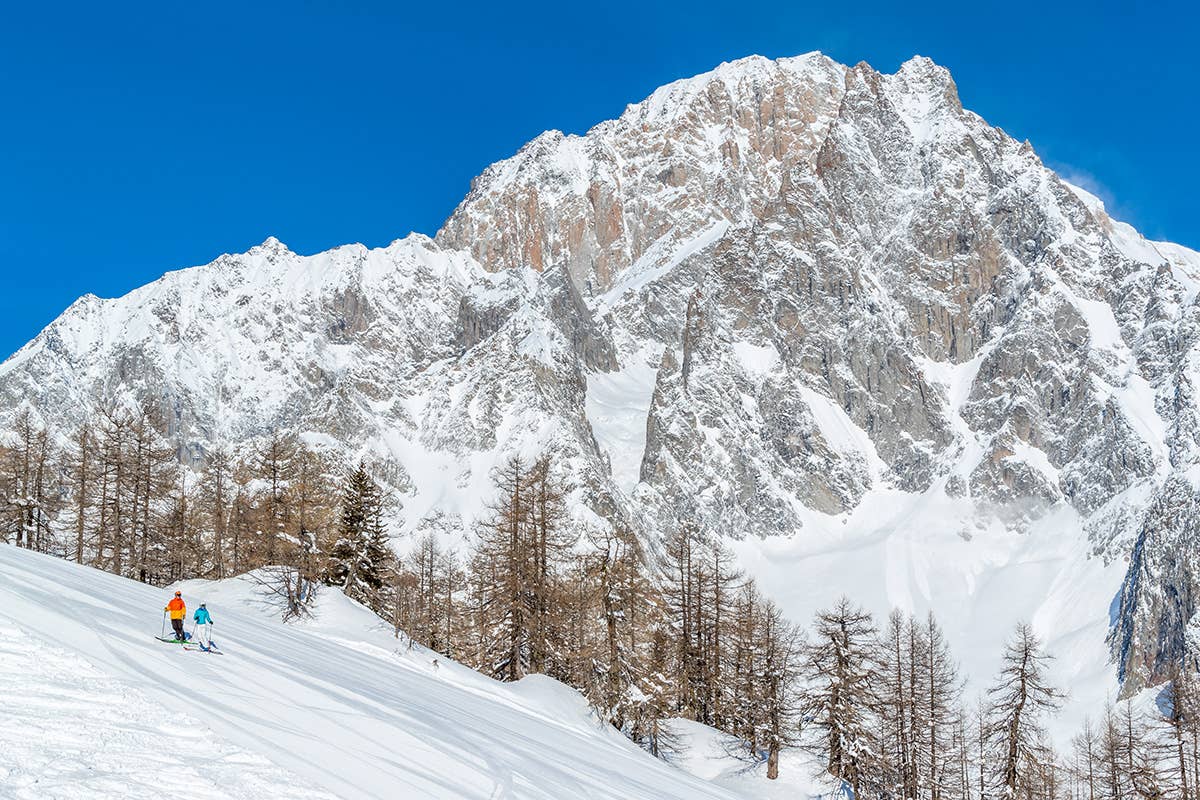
{"points": [[896, 708], [778, 662], [699, 589], [549, 542], [313, 511], [938, 707], [1181, 721], [1020, 700], [216, 495], [1085, 763], [626, 600], [27, 480], [840, 698], [79, 469], [503, 556], [274, 465]]}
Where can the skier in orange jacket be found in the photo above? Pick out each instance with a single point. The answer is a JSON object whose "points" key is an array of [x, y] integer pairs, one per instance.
{"points": [[178, 611]]}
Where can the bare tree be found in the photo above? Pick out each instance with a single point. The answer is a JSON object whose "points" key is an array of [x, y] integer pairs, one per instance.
{"points": [[30, 501], [79, 466], [1020, 700], [841, 695]]}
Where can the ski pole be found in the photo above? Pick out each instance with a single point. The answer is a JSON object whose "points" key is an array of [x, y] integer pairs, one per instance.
{"points": [[164, 630]]}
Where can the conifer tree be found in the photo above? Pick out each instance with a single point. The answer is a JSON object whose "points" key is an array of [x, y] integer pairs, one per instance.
{"points": [[627, 602], [841, 695], [79, 468], [897, 712], [522, 544], [1020, 700], [30, 498], [503, 558], [216, 496], [939, 703], [150, 466], [548, 545], [313, 511], [434, 587], [1180, 700], [1110, 756], [776, 726], [242, 515], [699, 589], [274, 466], [360, 555], [1086, 761]]}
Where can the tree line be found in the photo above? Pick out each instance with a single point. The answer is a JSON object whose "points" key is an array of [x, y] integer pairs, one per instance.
{"points": [[645, 634]]}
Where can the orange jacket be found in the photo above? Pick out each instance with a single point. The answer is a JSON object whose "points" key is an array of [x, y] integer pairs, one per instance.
{"points": [[177, 608]]}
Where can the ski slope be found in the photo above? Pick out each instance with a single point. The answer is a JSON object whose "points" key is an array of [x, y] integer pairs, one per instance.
{"points": [[92, 706]]}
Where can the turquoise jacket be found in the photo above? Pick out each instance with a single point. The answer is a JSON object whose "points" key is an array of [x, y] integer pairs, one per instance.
{"points": [[202, 616]]}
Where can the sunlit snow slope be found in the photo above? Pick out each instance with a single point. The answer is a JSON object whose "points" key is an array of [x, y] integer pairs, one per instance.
{"points": [[92, 706]]}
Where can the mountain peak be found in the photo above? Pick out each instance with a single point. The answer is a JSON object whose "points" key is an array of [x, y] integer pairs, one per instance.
{"points": [[924, 67], [269, 247], [922, 76]]}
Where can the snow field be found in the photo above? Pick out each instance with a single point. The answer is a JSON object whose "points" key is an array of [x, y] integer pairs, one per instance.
{"points": [[334, 706], [70, 731]]}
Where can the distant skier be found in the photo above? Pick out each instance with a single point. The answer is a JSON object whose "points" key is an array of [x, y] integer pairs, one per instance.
{"points": [[204, 623], [178, 611]]}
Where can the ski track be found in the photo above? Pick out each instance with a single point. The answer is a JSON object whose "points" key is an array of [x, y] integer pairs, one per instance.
{"points": [[68, 730], [336, 704]]}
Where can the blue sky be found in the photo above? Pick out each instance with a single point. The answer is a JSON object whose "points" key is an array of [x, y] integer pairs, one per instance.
{"points": [[142, 137]]}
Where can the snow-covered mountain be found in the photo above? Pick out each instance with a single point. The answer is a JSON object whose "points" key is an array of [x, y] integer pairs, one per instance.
{"points": [[826, 312]]}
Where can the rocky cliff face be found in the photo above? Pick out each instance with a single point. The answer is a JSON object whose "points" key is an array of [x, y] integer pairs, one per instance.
{"points": [[758, 298]]}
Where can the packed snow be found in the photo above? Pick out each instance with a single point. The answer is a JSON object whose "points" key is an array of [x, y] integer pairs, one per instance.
{"points": [[331, 707], [71, 730]]}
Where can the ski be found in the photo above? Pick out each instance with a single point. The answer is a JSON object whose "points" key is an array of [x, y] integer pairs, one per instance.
{"points": [[211, 650], [173, 641]]}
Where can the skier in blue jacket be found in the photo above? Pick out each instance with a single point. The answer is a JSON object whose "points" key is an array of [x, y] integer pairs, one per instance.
{"points": [[204, 623]]}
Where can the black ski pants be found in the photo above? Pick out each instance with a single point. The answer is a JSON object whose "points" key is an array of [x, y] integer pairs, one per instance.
{"points": [[177, 626]]}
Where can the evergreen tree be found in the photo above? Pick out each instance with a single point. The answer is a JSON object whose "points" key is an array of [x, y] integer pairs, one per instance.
{"points": [[359, 559]]}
